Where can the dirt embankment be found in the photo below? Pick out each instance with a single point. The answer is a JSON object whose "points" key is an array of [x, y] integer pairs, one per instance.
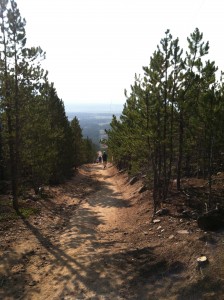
{"points": [[94, 239]]}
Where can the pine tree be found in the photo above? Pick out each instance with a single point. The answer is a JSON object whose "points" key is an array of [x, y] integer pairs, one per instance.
{"points": [[89, 150], [77, 142], [7, 100], [17, 63], [189, 89], [60, 138], [176, 100]]}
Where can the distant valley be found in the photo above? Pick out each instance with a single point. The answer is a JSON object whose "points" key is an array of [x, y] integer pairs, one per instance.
{"points": [[93, 124], [94, 108]]}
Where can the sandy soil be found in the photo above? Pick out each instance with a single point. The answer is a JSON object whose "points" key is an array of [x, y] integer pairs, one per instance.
{"points": [[94, 239]]}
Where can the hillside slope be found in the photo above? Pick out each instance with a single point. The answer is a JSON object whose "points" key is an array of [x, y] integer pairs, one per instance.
{"points": [[93, 124], [93, 239]]}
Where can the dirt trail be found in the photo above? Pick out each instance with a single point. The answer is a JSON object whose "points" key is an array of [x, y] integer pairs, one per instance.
{"points": [[93, 240], [77, 250], [91, 243]]}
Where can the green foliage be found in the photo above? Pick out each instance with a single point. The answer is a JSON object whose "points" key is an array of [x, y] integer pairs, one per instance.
{"points": [[8, 213], [89, 150], [46, 150], [37, 142], [171, 124], [77, 141]]}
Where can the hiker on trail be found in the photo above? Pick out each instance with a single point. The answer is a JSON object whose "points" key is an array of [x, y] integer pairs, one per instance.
{"points": [[100, 159], [104, 159]]}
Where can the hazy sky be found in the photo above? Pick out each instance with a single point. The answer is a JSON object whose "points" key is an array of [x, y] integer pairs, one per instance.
{"points": [[94, 47]]}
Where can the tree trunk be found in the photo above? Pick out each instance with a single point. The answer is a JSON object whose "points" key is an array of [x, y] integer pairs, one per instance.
{"points": [[13, 166], [180, 156]]}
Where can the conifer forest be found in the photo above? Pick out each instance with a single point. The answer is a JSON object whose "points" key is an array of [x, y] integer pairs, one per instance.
{"points": [[171, 126], [172, 123], [145, 219], [38, 145]]}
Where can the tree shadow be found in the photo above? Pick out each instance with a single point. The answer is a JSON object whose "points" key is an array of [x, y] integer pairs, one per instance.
{"points": [[107, 197], [205, 288], [100, 272], [106, 200], [59, 257], [14, 275], [112, 276], [85, 262]]}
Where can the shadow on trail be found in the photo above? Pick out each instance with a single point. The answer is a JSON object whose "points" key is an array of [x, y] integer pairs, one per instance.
{"points": [[120, 275], [92, 167], [84, 262], [58, 257], [206, 288], [105, 196], [102, 273], [14, 269], [108, 198], [82, 228]]}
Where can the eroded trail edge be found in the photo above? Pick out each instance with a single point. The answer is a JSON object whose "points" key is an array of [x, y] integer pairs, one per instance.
{"points": [[94, 239]]}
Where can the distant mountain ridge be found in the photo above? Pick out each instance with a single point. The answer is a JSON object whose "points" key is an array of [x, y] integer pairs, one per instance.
{"points": [[94, 108], [94, 118], [93, 124]]}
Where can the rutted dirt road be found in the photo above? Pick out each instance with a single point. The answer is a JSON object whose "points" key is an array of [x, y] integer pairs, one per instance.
{"points": [[93, 244], [93, 240], [78, 249]]}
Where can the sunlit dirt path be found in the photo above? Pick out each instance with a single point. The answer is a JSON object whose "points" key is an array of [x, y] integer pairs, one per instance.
{"points": [[91, 258], [93, 239]]}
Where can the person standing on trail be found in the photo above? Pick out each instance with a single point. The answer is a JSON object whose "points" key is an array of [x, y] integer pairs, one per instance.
{"points": [[104, 159]]}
